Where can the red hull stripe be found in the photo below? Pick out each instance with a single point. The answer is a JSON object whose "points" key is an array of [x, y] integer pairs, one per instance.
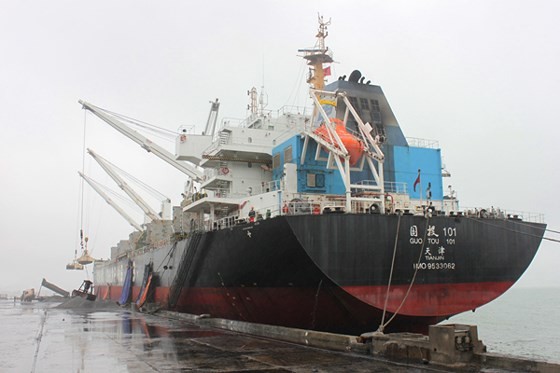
{"points": [[432, 299], [423, 300]]}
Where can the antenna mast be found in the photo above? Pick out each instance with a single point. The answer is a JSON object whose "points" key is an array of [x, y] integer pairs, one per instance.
{"points": [[317, 56]]}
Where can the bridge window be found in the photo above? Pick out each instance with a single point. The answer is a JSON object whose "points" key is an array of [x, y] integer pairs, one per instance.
{"points": [[364, 103], [288, 154], [315, 180]]}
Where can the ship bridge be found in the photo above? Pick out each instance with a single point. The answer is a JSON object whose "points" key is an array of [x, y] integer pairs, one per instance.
{"points": [[371, 105]]}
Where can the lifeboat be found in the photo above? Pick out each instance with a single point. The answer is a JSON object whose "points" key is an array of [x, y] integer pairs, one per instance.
{"points": [[351, 143]]}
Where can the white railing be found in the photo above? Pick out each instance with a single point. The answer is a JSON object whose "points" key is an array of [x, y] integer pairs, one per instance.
{"points": [[497, 213], [389, 186], [422, 143], [395, 187]]}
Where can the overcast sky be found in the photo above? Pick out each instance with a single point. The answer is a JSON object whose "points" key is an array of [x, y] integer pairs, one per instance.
{"points": [[481, 77]]}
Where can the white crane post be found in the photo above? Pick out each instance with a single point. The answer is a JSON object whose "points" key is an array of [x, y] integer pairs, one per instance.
{"points": [[150, 212], [144, 142], [111, 202], [212, 118]]}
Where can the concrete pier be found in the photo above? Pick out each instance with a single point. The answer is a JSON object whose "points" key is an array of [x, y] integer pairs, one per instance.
{"points": [[452, 347], [103, 337], [39, 338]]}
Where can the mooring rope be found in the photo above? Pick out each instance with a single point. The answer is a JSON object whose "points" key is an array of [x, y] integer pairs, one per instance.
{"points": [[381, 326]]}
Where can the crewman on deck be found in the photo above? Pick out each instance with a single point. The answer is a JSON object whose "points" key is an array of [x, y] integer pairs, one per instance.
{"points": [[252, 214], [316, 210]]}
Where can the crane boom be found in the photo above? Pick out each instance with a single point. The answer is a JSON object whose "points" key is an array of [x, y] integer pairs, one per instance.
{"points": [[56, 289], [111, 202], [150, 212], [187, 168]]}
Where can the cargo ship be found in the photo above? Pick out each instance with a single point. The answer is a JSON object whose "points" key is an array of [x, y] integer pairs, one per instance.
{"points": [[325, 218]]}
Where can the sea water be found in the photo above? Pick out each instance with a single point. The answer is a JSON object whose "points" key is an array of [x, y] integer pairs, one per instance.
{"points": [[523, 322]]}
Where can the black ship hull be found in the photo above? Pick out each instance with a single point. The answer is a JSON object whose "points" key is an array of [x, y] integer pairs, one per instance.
{"points": [[331, 272]]}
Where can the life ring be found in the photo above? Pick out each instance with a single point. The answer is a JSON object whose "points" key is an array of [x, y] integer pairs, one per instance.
{"points": [[183, 138], [224, 170]]}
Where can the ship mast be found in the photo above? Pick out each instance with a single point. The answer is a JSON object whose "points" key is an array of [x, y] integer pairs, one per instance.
{"points": [[318, 56]]}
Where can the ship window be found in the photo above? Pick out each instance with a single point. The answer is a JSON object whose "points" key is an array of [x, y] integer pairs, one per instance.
{"points": [[320, 180], [311, 180], [354, 102], [250, 164], [364, 103], [288, 154], [375, 105], [276, 161], [315, 180]]}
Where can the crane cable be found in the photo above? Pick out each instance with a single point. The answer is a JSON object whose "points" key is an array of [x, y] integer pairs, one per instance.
{"points": [[141, 124], [82, 184]]}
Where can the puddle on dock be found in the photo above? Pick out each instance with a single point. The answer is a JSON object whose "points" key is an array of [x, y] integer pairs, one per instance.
{"points": [[40, 338]]}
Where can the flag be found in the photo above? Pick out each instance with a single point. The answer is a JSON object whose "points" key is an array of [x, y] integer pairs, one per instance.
{"points": [[417, 180], [327, 71]]}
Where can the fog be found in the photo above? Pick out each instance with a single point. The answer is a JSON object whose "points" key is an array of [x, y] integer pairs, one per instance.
{"points": [[481, 77]]}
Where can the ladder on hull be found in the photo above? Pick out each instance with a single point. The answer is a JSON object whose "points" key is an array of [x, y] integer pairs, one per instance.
{"points": [[184, 273]]}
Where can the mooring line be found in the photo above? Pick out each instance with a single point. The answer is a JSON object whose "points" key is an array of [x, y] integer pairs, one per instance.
{"points": [[382, 326]]}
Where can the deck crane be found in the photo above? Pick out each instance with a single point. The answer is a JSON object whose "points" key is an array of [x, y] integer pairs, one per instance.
{"points": [[107, 199], [150, 212], [212, 118], [114, 121]]}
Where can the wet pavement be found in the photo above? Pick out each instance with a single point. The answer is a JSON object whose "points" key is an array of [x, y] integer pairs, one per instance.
{"points": [[40, 338]]}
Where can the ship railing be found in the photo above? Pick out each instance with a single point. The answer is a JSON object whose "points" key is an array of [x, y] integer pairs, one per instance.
{"points": [[396, 187], [231, 122], [190, 129], [497, 213], [266, 115], [210, 173], [222, 193], [269, 186], [261, 213], [297, 110], [422, 143], [389, 186], [247, 141]]}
